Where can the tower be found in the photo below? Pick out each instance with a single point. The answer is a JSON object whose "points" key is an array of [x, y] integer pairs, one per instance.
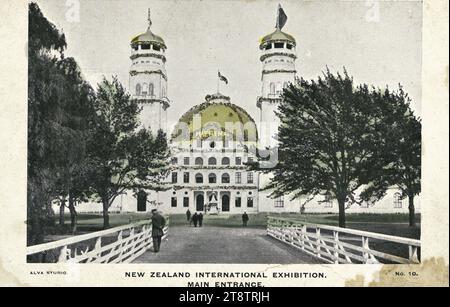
{"points": [[148, 78], [278, 57]]}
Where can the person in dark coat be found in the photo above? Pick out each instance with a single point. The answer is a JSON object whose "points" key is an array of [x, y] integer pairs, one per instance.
{"points": [[244, 219], [200, 220], [195, 219], [158, 223], [188, 215]]}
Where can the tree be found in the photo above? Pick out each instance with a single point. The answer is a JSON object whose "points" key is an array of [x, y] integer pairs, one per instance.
{"points": [[59, 113], [45, 49], [404, 172], [332, 140], [124, 158]]}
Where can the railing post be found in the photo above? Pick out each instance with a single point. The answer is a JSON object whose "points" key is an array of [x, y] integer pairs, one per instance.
{"points": [[63, 254], [413, 254], [318, 242], [368, 257], [336, 246], [304, 236]]}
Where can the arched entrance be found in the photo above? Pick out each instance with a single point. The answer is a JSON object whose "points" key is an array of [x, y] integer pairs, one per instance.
{"points": [[141, 201], [199, 202], [225, 203]]}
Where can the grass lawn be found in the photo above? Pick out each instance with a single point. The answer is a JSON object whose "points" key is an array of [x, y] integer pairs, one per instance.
{"points": [[392, 224]]}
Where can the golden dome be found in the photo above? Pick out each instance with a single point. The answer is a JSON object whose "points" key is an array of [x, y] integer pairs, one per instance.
{"points": [[277, 36], [148, 38]]}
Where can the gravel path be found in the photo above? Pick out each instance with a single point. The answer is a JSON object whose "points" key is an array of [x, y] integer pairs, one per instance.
{"points": [[210, 244]]}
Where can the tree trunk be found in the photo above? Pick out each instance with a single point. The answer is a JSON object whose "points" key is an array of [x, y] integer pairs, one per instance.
{"points": [[341, 202], [62, 208], [412, 215], [73, 216], [105, 214]]}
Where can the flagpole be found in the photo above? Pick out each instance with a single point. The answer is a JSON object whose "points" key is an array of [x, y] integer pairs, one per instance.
{"points": [[218, 82]]}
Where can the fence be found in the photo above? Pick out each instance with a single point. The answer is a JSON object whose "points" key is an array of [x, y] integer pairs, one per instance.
{"points": [[341, 245], [121, 244]]}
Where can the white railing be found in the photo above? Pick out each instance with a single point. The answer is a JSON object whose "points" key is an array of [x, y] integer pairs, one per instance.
{"points": [[340, 245], [121, 244]]}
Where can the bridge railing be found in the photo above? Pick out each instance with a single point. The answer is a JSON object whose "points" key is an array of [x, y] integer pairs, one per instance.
{"points": [[341, 245], [121, 244]]}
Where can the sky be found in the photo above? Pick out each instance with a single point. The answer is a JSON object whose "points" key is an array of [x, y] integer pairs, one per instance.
{"points": [[378, 42]]}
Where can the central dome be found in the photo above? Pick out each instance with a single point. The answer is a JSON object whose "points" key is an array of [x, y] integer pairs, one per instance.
{"points": [[147, 38], [218, 114]]}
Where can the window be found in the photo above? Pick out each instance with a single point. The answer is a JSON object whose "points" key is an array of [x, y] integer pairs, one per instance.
{"points": [[174, 161], [198, 161], [174, 177], [186, 160], [285, 85], [328, 203], [212, 144], [269, 46], [144, 89], [156, 48], [198, 178], [225, 178], [238, 161], [174, 201], [279, 88], [289, 46], [212, 161], [250, 202], [238, 177], [249, 160], [279, 202], [272, 88], [199, 143], [397, 200], [186, 177], [138, 89], [151, 89], [225, 161], [279, 45], [245, 135], [212, 178], [237, 202], [145, 46], [249, 177], [163, 92], [185, 201]]}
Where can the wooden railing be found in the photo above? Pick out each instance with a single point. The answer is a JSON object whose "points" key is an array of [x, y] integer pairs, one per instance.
{"points": [[341, 245], [121, 244]]}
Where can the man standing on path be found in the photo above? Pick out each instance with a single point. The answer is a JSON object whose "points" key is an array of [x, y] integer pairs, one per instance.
{"points": [[188, 216], [244, 219], [195, 219], [200, 219], [158, 223]]}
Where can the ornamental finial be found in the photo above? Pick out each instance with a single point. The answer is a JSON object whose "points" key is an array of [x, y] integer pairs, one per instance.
{"points": [[149, 19]]}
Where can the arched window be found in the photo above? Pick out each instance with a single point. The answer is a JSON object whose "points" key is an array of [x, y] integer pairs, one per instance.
{"points": [[327, 201], [212, 178], [279, 88], [144, 89], [225, 161], [397, 200], [225, 178], [198, 178], [212, 161], [272, 87], [151, 89], [138, 89], [198, 161]]}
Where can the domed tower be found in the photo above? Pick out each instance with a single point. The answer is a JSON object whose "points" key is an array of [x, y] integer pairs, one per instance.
{"points": [[148, 78], [278, 57]]}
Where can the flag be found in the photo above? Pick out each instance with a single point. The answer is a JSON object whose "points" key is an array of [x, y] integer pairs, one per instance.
{"points": [[222, 78], [282, 18]]}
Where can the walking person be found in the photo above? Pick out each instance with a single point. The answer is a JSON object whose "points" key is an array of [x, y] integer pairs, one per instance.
{"points": [[188, 216], [195, 219], [158, 223], [245, 219], [200, 219]]}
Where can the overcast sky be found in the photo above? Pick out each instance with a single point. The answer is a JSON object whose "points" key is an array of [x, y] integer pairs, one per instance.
{"points": [[379, 43]]}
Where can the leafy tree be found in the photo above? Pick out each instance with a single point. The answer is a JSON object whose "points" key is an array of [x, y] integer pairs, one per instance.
{"points": [[124, 158], [404, 172], [333, 140]]}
